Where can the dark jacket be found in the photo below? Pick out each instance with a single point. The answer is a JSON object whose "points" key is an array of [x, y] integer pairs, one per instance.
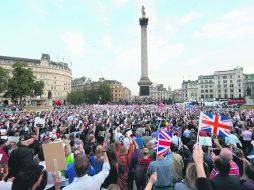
{"points": [[225, 182], [248, 185]]}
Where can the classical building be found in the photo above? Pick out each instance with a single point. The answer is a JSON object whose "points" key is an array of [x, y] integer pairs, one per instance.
{"points": [[176, 95], [249, 85], [206, 88], [80, 83], [119, 92], [190, 90], [157, 91], [229, 84], [56, 75]]}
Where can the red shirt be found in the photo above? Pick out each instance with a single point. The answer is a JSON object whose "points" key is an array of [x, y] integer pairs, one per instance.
{"points": [[3, 157]]}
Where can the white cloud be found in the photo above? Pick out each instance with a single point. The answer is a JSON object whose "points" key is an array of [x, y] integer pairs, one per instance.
{"points": [[189, 18], [107, 41], [236, 23], [74, 42], [120, 3], [36, 7]]}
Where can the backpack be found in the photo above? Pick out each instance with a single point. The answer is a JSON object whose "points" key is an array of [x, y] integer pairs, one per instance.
{"points": [[140, 173]]}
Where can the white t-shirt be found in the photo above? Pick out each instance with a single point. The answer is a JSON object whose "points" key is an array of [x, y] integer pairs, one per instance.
{"points": [[5, 185]]}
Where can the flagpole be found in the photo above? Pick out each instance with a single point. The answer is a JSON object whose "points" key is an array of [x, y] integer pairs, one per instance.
{"points": [[200, 120], [158, 130]]}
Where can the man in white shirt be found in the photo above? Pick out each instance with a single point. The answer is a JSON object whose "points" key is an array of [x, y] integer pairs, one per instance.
{"points": [[85, 182]]}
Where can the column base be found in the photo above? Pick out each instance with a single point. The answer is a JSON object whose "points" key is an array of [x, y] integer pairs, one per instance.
{"points": [[144, 86]]}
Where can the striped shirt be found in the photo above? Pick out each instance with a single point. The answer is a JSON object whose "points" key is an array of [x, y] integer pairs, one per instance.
{"points": [[234, 170]]}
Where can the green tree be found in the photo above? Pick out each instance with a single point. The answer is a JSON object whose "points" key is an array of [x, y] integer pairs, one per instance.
{"points": [[3, 79], [38, 88], [104, 93], [22, 82], [76, 97]]}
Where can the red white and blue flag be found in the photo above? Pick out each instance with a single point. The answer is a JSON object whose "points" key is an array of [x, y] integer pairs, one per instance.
{"points": [[215, 124], [164, 142]]}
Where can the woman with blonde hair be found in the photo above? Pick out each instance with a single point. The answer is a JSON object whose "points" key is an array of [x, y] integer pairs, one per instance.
{"points": [[190, 181]]}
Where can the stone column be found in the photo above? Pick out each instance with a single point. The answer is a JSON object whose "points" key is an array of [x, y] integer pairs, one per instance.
{"points": [[144, 82]]}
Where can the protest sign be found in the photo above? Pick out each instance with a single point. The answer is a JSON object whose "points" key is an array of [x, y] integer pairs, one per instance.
{"points": [[205, 141], [54, 156], [39, 121]]}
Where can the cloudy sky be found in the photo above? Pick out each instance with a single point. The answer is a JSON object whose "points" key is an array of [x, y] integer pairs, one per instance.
{"points": [[101, 38]]}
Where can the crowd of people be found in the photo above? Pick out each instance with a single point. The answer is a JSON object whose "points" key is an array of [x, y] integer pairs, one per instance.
{"points": [[112, 147]]}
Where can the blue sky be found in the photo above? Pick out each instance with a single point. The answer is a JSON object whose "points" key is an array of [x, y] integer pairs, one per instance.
{"points": [[101, 38]]}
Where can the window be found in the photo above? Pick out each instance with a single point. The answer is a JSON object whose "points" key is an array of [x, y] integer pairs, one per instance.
{"points": [[202, 96], [219, 90], [219, 96], [202, 91], [231, 76], [231, 85], [202, 86], [211, 86], [219, 86], [211, 96], [239, 85], [225, 90], [239, 90], [239, 76], [218, 82], [224, 81], [231, 96], [206, 81], [206, 95], [231, 90], [225, 85], [239, 80], [206, 86], [225, 96], [231, 81], [240, 95], [211, 90], [224, 77], [206, 91]]}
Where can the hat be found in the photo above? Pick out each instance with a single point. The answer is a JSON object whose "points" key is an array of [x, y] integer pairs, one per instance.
{"points": [[26, 137]]}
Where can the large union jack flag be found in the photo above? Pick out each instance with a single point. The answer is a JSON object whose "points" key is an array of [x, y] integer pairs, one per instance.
{"points": [[164, 142], [215, 124]]}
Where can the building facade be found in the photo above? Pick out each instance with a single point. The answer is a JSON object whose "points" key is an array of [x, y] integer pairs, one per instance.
{"points": [[190, 90], [229, 84], [157, 91], [176, 95], [206, 88], [119, 92], [249, 85], [55, 75]]}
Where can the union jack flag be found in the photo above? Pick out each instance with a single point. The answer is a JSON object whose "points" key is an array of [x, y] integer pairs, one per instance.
{"points": [[155, 144], [215, 124], [164, 142]]}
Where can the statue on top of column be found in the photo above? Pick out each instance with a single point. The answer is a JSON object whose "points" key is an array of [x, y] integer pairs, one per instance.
{"points": [[143, 12]]}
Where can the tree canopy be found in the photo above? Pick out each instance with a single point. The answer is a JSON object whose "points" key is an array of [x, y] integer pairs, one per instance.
{"points": [[23, 82], [3, 79], [101, 94]]}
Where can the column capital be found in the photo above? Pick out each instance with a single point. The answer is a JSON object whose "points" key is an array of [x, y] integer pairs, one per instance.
{"points": [[143, 21]]}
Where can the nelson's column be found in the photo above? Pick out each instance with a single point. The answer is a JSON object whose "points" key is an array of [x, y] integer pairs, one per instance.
{"points": [[144, 82]]}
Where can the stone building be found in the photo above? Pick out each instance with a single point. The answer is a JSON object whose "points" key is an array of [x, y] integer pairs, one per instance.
{"points": [[249, 85], [190, 90], [206, 88], [157, 91], [56, 75], [119, 92], [229, 84], [176, 95]]}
